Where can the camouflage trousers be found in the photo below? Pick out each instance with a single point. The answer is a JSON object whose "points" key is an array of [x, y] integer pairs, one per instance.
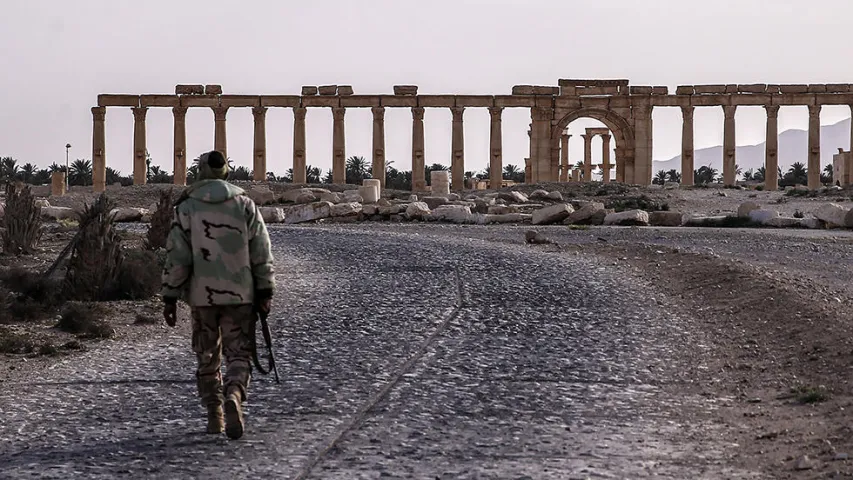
{"points": [[218, 330]]}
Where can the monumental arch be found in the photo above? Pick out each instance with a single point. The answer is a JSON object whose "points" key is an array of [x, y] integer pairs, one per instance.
{"points": [[624, 109]]}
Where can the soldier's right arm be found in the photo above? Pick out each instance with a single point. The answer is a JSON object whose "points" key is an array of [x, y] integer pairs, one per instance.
{"points": [[179, 258]]}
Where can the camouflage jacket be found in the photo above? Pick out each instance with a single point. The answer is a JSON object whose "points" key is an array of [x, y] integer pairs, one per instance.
{"points": [[218, 249]]}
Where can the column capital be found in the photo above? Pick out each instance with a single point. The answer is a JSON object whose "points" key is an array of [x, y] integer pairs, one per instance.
{"points": [[566, 136], [773, 110], [259, 112], [378, 113], [687, 111], [814, 110], [587, 138], [729, 111], [496, 112], [299, 113], [541, 114], [605, 137], [338, 113], [219, 113], [180, 113], [139, 113], [100, 113], [457, 113], [418, 113]]}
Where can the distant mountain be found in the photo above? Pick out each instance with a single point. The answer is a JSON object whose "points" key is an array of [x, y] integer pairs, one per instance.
{"points": [[793, 147]]}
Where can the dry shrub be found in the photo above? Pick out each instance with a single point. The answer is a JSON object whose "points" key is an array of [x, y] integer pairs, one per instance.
{"points": [[96, 256], [83, 319], [14, 343], [161, 222], [139, 276], [21, 220]]}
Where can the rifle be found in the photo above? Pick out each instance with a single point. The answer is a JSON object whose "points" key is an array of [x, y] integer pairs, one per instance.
{"points": [[265, 329]]}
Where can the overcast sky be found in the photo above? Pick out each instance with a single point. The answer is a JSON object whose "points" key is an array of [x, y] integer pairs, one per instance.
{"points": [[58, 55]]}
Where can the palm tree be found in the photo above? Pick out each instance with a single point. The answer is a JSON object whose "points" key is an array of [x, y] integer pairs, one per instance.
{"points": [[313, 174], [660, 178], [357, 170], [156, 175], [748, 175], [8, 168], [760, 174], [329, 178], [192, 173], [486, 173], [704, 175], [435, 167], [826, 175], [80, 172], [673, 176], [397, 180], [513, 173], [240, 173], [27, 172], [42, 177], [797, 175], [112, 176]]}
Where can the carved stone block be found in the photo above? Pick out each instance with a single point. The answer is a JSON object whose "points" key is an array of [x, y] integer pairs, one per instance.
{"points": [[405, 89], [684, 90], [189, 89], [817, 88], [309, 90], [755, 88], [328, 89], [345, 90], [638, 90], [794, 88], [213, 89]]}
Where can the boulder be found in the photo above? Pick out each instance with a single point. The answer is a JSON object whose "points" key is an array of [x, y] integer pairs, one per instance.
{"points": [[41, 202], [331, 197], [784, 222], [352, 196], [556, 196], [598, 217], [370, 209], [453, 197], [413, 198], [417, 210], [308, 212], [502, 209], [435, 202], [505, 218], [272, 214], [292, 195], [391, 209], [318, 191], [538, 194], [763, 216], [810, 223], [833, 214], [482, 205], [553, 214], [346, 209], [128, 214], [261, 194], [307, 197], [453, 213], [666, 219], [746, 207], [706, 221], [58, 213], [513, 197], [584, 214], [628, 217]]}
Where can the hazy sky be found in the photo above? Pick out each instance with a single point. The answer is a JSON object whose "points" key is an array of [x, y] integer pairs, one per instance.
{"points": [[59, 55]]}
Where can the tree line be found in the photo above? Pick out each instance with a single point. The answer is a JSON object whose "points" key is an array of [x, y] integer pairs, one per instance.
{"points": [[797, 174]]}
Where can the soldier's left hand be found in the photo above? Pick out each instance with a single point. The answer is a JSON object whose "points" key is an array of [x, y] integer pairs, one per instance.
{"points": [[170, 314]]}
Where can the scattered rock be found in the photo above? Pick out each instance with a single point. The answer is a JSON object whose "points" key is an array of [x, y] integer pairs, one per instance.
{"points": [[292, 195], [763, 216], [331, 197], [417, 210], [308, 212], [502, 209], [435, 202], [261, 195], [58, 213], [272, 214], [369, 193], [505, 218], [746, 207], [128, 214], [584, 213], [536, 238], [346, 209], [803, 463], [453, 197], [513, 196], [538, 194], [833, 214], [41, 202], [552, 214], [555, 195], [629, 217], [453, 213], [666, 219]]}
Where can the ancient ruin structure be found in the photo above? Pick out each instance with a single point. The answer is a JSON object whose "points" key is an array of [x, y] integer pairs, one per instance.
{"points": [[625, 110]]}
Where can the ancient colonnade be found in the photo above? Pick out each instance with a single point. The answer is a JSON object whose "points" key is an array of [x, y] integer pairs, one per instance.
{"points": [[625, 110]]}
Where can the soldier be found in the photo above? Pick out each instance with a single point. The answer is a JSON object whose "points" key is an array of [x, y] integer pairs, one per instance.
{"points": [[219, 262]]}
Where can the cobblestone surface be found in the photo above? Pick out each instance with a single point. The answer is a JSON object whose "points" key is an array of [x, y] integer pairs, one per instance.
{"points": [[414, 353]]}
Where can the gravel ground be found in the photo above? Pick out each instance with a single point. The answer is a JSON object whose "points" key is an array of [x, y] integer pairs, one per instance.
{"points": [[408, 352]]}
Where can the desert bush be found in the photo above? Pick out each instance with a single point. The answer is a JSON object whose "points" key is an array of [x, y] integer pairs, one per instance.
{"points": [[14, 343], [642, 202], [32, 284], [96, 256], [83, 319], [161, 222], [139, 276], [21, 220]]}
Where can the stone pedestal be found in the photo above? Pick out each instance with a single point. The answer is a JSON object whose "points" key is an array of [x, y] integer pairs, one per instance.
{"points": [[576, 175], [339, 155], [57, 184], [457, 150], [687, 145], [179, 162], [814, 147], [259, 165], [771, 152], [440, 182], [371, 190], [299, 162], [378, 170], [496, 144], [140, 150], [99, 156], [729, 146], [418, 167], [220, 141]]}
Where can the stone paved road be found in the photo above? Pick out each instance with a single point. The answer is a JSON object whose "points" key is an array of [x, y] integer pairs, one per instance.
{"points": [[408, 353]]}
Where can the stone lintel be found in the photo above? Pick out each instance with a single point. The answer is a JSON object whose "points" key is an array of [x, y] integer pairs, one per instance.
{"points": [[436, 101], [571, 103], [671, 100], [280, 100], [117, 100], [322, 101], [747, 99], [617, 101], [794, 88], [710, 100], [774, 89], [754, 88], [731, 88], [199, 101], [837, 87], [475, 101], [793, 99], [817, 88], [543, 102], [398, 101], [509, 101], [360, 101], [641, 90], [709, 89], [581, 91], [684, 90], [566, 82], [660, 90], [328, 89], [834, 99], [159, 101], [595, 102], [240, 101]]}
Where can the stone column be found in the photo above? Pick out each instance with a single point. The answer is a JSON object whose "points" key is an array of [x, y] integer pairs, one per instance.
{"points": [[620, 164], [57, 182], [496, 143], [687, 145], [639, 172], [605, 158], [457, 161], [339, 148], [564, 157], [528, 166], [528, 171], [259, 165], [99, 151], [576, 175], [587, 157], [418, 167], [814, 147], [729, 145], [379, 144], [179, 161], [220, 141], [140, 169], [299, 165], [771, 152], [439, 182], [542, 160]]}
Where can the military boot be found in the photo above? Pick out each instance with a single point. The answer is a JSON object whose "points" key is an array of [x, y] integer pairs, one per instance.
{"points": [[233, 415], [215, 419]]}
